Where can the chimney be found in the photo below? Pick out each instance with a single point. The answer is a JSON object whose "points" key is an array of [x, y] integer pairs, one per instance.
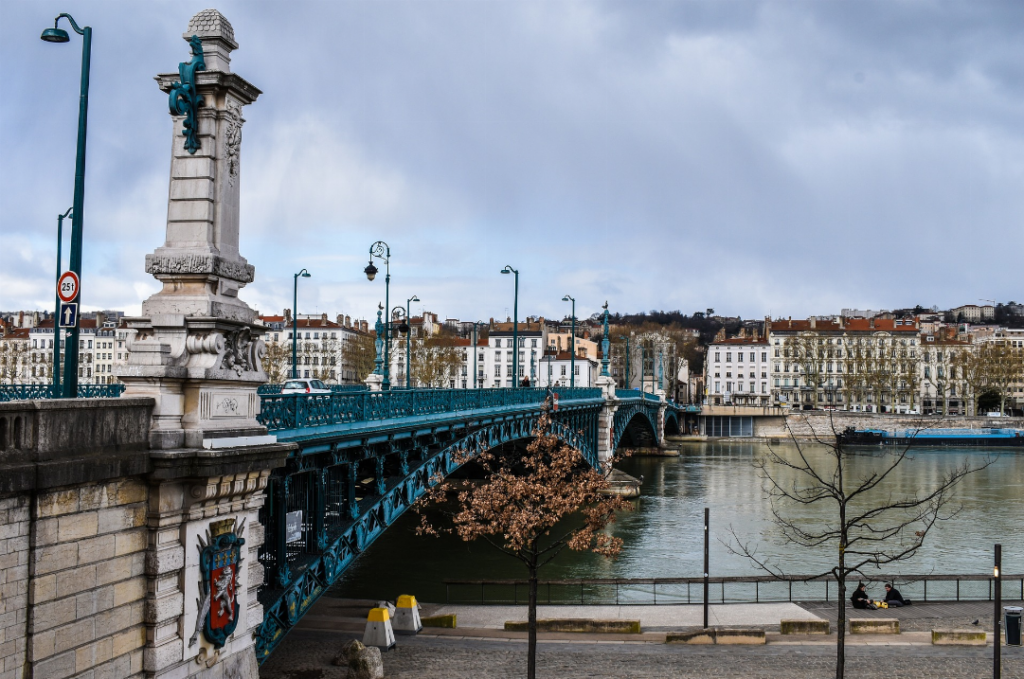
{"points": [[101, 318], [813, 321], [348, 321], [323, 317], [287, 315], [340, 320], [871, 324], [842, 323], [364, 326], [767, 325]]}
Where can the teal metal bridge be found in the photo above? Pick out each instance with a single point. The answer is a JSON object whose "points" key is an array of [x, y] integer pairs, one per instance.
{"points": [[364, 457]]}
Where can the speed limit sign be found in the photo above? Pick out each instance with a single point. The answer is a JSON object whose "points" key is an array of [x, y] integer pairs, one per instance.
{"points": [[67, 286]]}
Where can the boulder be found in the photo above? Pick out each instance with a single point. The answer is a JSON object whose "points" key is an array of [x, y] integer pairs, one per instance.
{"points": [[362, 662]]}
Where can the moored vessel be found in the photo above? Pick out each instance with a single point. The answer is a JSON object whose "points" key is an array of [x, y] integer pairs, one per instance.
{"points": [[952, 437]]}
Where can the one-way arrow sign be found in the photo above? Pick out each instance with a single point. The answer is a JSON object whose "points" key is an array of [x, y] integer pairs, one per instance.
{"points": [[68, 315]]}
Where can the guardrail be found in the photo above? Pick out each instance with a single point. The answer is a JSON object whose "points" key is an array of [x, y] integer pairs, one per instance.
{"points": [[271, 389], [25, 392], [298, 411], [725, 590]]}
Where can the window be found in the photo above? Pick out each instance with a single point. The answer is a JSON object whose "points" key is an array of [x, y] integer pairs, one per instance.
{"points": [[718, 357], [563, 370], [718, 387], [728, 357], [497, 371], [316, 335], [497, 357], [533, 343], [577, 370], [764, 357], [751, 356]]}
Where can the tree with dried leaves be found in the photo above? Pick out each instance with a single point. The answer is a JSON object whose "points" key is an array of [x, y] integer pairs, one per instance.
{"points": [[278, 362], [529, 508], [436, 360], [864, 516]]}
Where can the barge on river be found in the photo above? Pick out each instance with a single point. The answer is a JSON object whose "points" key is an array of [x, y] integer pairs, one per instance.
{"points": [[978, 438]]}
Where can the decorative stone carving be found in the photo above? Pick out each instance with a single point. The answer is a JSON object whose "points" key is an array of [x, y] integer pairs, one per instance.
{"points": [[210, 22], [233, 140], [199, 264], [241, 354]]}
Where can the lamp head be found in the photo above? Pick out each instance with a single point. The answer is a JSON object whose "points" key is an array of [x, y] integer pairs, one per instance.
{"points": [[305, 274], [370, 271], [403, 328], [55, 34], [505, 270], [566, 298], [414, 298]]}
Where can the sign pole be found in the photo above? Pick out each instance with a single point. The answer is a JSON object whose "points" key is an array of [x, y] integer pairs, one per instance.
{"points": [[998, 590], [707, 587]]}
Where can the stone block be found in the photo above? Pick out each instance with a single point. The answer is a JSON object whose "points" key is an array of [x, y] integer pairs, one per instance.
{"points": [[57, 667], [959, 637], [47, 532], [53, 614], [805, 627], [114, 570], [166, 607], [444, 622], [58, 502], [56, 558], [74, 635], [121, 518], [132, 491], [165, 560], [43, 589], [77, 526], [720, 636], [72, 581], [96, 549], [129, 591], [98, 496], [129, 640], [114, 620], [93, 654], [94, 601], [118, 668], [582, 625], [43, 645], [874, 626], [130, 541]]}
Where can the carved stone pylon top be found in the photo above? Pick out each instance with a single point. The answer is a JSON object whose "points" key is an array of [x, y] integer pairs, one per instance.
{"points": [[217, 35]]}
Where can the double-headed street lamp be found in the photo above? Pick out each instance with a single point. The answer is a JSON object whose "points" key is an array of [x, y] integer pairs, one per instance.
{"points": [[572, 342], [382, 250], [71, 343], [56, 308], [295, 320], [515, 328]]}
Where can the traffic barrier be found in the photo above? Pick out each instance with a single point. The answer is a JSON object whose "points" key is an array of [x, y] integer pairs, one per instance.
{"points": [[805, 627], [874, 626], [407, 615], [958, 637], [378, 630]]}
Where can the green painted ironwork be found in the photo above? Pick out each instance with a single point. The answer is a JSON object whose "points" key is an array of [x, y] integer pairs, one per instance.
{"points": [[185, 99], [25, 392]]}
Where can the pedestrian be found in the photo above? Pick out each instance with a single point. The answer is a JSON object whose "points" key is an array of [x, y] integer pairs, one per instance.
{"points": [[893, 598], [860, 598]]}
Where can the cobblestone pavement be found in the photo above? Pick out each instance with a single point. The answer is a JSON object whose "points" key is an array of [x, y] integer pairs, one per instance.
{"points": [[307, 654]]}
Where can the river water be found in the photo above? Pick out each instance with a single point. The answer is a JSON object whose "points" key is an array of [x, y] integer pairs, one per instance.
{"points": [[663, 535]]}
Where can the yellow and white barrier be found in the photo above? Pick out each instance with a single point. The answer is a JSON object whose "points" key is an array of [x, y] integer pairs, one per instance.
{"points": [[378, 630], [407, 615]]}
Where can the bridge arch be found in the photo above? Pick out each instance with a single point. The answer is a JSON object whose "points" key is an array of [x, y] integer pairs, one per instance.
{"points": [[332, 477], [672, 427], [636, 425]]}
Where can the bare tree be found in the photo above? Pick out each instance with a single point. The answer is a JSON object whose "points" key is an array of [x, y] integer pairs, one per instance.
{"points": [[436, 360], [358, 356], [278, 362], [520, 507], [864, 517]]}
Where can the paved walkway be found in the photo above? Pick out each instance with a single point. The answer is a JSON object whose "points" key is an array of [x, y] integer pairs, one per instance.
{"points": [[307, 654], [480, 649]]}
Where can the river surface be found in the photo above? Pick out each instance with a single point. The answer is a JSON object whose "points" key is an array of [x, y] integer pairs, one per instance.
{"points": [[663, 535]]}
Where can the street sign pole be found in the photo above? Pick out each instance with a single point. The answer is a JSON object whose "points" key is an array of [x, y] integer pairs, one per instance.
{"points": [[68, 289]]}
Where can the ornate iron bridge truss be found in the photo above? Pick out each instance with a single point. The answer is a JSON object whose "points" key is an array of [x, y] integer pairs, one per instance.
{"points": [[364, 457]]}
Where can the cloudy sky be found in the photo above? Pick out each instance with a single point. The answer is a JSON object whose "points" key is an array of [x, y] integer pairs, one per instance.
{"points": [[755, 157]]}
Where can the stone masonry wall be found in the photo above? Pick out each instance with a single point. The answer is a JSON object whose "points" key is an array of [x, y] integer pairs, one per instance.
{"points": [[88, 581], [14, 543], [808, 424]]}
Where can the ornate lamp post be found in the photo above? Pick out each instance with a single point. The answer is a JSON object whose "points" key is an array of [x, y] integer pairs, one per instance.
{"points": [[56, 308], [295, 321], [515, 328], [605, 343], [572, 342], [382, 250], [643, 368], [71, 347], [408, 342], [624, 337]]}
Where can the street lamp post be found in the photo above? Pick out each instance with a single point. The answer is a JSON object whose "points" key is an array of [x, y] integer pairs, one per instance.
{"points": [[605, 343], [624, 337], [56, 308], [643, 368], [572, 342], [515, 327], [408, 343], [382, 250], [295, 321], [71, 343]]}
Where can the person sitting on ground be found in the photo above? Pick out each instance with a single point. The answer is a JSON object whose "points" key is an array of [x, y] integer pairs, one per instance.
{"points": [[893, 598], [860, 598]]}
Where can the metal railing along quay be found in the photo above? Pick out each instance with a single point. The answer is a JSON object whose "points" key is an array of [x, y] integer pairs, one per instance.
{"points": [[727, 590], [25, 392]]}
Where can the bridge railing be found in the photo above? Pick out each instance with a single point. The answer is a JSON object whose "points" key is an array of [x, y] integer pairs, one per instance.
{"points": [[271, 389], [298, 411], [625, 394], [24, 392]]}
